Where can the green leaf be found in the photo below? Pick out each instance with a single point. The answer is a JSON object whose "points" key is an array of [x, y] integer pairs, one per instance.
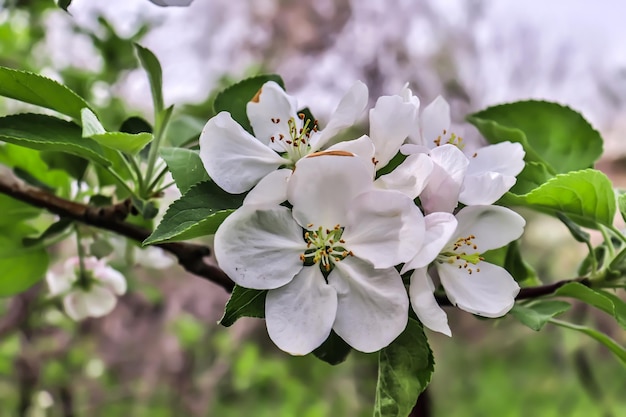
{"points": [[579, 234], [537, 314], [52, 230], [64, 4], [235, 98], [199, 212], [611, 344], [621, 204], [21, 267], [404, 371], [130, 143], [243, 302], [521, 271], [585, 196], [186, 167], [74, 165], [41, 91], [14, 211], [597, 299], [532, 176], [32, 161], [47, 133], [184, 130], [151, 64], [551, 133], [334, 350]]}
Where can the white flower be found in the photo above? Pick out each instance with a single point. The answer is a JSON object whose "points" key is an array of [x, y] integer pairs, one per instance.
{"points": [[471, 283], [491, 170], [237, 160], [175, 3], [328, 263], [93, 296]]}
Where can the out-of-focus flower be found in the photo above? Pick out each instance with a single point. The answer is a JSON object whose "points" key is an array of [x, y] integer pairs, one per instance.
{"points": [[94, 294], [328, 262], [471, 283], [172, 3]]}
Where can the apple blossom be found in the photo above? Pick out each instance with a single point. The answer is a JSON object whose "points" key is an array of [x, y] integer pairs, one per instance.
{"points": [[328, 262], [92, 295], [471, 283]]}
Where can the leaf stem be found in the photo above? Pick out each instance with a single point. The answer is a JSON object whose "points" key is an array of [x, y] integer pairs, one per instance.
{"points": [[120, 180], [161, 121]]}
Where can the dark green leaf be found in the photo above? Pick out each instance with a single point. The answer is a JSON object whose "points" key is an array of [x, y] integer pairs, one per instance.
{"points": [[52, 230], [41, 91], [199, 212], [521, 271], [235, 98], [72, 164], [404, 371], [184, 130], [550, 133], [585, 196], [595, 298], [64, 4], [47, 133], [135, 125], [151, 64], [334, 350], [532, 176], [393, 164], [579, 234], [243, 302], [537, 314], [186, 167]]}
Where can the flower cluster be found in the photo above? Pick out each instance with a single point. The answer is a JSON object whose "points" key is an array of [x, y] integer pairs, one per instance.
{"points": [[330, 237]]}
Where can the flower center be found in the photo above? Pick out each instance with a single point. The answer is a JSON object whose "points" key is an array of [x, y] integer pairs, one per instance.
{"points": [[296, 145], [449, 138], [324, 246], [456, 254]]}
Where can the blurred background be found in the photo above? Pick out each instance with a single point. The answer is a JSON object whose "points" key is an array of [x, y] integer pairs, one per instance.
{"points": [[161, 353]]}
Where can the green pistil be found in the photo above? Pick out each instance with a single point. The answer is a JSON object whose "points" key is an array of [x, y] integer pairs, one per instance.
{"points": [[324, 246], [472, 258]]}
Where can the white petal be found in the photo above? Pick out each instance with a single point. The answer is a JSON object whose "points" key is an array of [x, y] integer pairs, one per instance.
{"points": [[434, 120], [421, 293], [485, 188], [233, 158], [361, 147], [384, 228], [411, 148], [373, 304], [59, 283], [153, 257], [505, 158], [99, 301], [111, 279], [440, 228], [270, 111], [272, 189], [410, 177], [391, 121], [323, 186], [492, 226], [345, 115], [260, 247], [489, 293], [75, 305], [444, 185], [300, 315], [170, 3]]}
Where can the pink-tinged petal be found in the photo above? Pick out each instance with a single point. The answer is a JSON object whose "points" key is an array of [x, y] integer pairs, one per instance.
{"points": [[410, 177], [59, 283], [323, 186], [99, 301], [485, 188], [373, 304], [111, 279], [347, 113], [270, 111], [172, 3], [440, 228], [435, 119], [421, 293], [384, 228], [491, 226], [489, 291], [75, 305], [300, 315], [443, 188], [361, 147], [391, 121], [505, 158], [233, 158], [259, 247], [272, 189]]}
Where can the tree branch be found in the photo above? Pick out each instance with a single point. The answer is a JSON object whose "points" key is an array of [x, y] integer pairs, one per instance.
{"points": [[190, 256]]}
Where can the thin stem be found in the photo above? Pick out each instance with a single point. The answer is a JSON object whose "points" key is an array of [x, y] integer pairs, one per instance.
{"points": [[165, 187], [133, 167], [156, 180], [618, 233], [120, 180], [82, 277], [161, 121], [609, 243]]}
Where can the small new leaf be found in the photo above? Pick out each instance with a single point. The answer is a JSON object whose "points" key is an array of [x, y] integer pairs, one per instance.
{"points": [[243, 302], [537, 314], [599, 299], [151, 65]]}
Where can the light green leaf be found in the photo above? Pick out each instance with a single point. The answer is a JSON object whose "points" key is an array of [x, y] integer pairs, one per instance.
{"points": [[14, 211], [47, 133], [551, 133], [41, 91], [243, 302], [21, 267], [53, 230], [404, 371], [151, 64], [130, 143], [599, 299], [621, 203], [537, 314], [611, 344], [186, 167], [235, 98], [585, 196], [199, 212]]}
